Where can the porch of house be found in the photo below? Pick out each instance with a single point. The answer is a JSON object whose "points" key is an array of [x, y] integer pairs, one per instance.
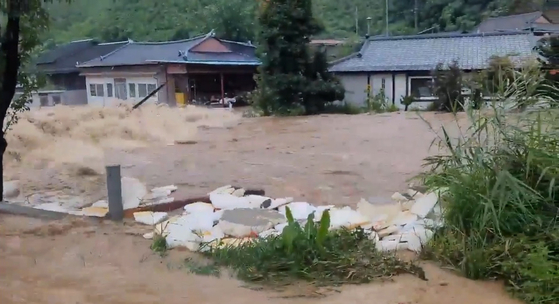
{"points": [[204, 84]]}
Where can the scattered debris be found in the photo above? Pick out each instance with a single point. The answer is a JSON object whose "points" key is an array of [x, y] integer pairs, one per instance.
{"points": [[232, 219], [150, 218]]}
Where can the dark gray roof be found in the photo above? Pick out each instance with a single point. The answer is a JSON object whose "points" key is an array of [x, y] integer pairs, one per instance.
{"points": [[144, 53], [63, 59], [424, 52], [508, 23]]}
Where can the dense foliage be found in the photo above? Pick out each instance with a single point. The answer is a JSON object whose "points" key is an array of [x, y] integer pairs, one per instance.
{"points": [[292, 80], [235, 19]]}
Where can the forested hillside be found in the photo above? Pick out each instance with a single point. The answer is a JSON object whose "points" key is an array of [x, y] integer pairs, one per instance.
{"points": [[112, 20]]}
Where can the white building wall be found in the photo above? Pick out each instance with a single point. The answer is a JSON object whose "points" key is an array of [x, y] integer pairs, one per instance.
{"points": [[400, 90], [355, 85], [109, 99]]}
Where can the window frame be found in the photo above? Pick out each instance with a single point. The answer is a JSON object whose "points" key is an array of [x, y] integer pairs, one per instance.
{"points": [[139, 90], [132, 89], [110, 92], [430, 98], [92, 90], [100, 89]]}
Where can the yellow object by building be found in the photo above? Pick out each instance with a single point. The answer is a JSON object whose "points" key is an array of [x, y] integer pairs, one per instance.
{"points": [[181, 99]]}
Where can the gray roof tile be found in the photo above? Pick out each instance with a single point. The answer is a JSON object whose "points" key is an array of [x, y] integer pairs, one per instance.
{"points": [[142, 53], [508, 23], [424, 52]]}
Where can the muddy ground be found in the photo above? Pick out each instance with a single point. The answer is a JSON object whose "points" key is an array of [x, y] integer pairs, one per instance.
{"points": [[325, 159]]}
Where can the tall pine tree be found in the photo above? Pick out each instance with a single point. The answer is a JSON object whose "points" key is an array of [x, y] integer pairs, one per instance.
{"points": [[290, 78]]}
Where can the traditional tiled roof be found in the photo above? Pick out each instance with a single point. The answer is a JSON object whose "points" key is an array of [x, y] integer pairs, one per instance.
{"points": [[508, 23], [64, 58], [424, 52], [145, 53]]}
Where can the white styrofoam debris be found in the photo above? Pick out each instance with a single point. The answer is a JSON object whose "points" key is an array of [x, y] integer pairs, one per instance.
{"points": [[397, 196], [101, 204], [320, 210], [228, 202], [170, 188], [223, 190], [414, 193], [390, 245], [198, 207], [95, 211], [149, 217], [213, 234], [388, 231], [256, 200], [404, 218], [133, 192], [186, 230], [148, 236], [279, 227], [346, 217], [424, 205], [54, 207], [239, 192], [156, 195], [299, 210], [276, 203]]}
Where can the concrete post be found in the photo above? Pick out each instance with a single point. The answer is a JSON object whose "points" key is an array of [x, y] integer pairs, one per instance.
{"points": [[114, 193]]}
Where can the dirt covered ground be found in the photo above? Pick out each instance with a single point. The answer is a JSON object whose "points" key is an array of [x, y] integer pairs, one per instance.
{"points": [[329, 159], [88, 263]]}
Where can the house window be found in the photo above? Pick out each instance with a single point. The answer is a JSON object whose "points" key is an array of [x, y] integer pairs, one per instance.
{"points": [[421, 87], [120, 88], [383, 84], [142, 90], [151, 88], [92, 90], [109, 90], [96, 90], [132, 89]]}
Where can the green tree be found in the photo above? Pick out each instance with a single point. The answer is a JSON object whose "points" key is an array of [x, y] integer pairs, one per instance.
{"points": [[24, 21], [290, 78]]}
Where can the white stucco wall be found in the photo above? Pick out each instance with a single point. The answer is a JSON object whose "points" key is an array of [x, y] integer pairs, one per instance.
{"points": [[355, 85], [106, 79]]}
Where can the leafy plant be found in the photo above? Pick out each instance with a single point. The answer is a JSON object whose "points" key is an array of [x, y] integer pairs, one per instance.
{"points": [[407, 101], [314, 253], [448, 85]]}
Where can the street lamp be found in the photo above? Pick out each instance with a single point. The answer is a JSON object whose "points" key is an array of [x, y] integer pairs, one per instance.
{"points": [[369, 25]]}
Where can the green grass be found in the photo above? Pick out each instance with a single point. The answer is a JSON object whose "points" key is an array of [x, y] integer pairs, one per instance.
{"points": [[312, 253], [159, 245], [502, 203]]}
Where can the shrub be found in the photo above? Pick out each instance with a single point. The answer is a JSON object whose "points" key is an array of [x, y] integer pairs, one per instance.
{"points": [[448, 86], [502, 199]]}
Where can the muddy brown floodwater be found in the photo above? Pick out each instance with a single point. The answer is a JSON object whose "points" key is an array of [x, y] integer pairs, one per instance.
{"points": [[325, 159]]}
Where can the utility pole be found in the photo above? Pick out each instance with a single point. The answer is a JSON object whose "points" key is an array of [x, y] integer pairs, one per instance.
{"points": [[356, 22], [386, 16], [415, 12]]}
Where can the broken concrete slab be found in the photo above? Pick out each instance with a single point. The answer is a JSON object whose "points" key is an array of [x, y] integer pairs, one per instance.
{"points": [[101, 204], [397, 196], [95, 211], [248, 222], [239, 192]]}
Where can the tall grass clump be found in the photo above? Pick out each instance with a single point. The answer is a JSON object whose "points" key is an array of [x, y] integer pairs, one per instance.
{"points": [[312, 253], [501, 194]]}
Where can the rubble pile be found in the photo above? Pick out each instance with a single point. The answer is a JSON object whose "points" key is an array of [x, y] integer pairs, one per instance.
{"points": [[234, 218], [134, 194]]}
